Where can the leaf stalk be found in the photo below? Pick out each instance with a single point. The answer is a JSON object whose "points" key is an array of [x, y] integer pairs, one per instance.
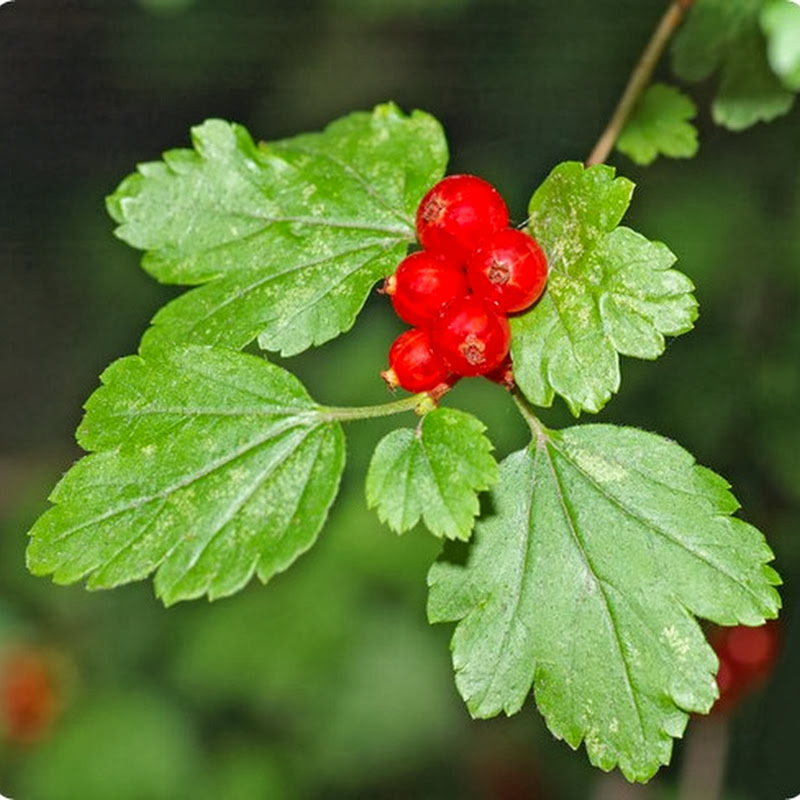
{"points": [[351, 413], [538, 430]]}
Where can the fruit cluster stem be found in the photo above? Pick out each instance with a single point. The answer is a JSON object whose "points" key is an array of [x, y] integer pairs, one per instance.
{"points": [[640, 78]]}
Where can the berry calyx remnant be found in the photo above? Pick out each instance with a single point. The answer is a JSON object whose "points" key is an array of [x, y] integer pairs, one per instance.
{"points": [[413, 363], [509, 269], [423, 284], [471, 336], [503, 375], [458, 213]]}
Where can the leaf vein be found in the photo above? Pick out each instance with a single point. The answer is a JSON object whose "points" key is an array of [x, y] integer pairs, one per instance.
{"points": [[611, 618], [351, 170], [275, 463], [263, 280], [665, 533], [185, 481]]}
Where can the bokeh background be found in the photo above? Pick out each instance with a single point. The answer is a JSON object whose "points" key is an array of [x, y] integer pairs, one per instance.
{"points": [[329, 682]]}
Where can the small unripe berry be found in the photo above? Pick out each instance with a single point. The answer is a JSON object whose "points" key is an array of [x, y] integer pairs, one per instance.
{"points": [[471, 336], [413, 364], [423, 284], [458, 213], [510, 269]]}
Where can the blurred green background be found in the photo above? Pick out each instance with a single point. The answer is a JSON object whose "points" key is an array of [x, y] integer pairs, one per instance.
{"points": [[328, 682]]}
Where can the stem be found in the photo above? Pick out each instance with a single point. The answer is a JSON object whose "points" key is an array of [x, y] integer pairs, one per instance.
{"points": [[346, 413], [705, 750], [639, 79], [538, 430]]}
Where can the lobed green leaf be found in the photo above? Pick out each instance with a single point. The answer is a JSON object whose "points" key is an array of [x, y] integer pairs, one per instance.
{"points": [[659, 125], [584, 583], [610, 291], [725, 36], [210, 466], [780, 22], [433, 473], [288, 238]]}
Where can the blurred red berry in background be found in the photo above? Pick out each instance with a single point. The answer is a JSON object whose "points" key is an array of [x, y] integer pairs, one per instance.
{"points": [[28, 697], [746, 655]]}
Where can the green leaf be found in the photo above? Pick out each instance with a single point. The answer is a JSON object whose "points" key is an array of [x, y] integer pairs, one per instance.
{"points": [[433, 472], [659, 126], [211, 466], [780, 22], [609, 291], [584, 583], [288, 237], [725, 35]]}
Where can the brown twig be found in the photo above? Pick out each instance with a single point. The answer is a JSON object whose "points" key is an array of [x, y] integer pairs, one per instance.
{"points": [[640, 77], [704, 759]]}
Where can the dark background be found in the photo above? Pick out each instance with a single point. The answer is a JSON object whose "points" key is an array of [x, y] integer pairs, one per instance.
{"points": [[329, 682]]}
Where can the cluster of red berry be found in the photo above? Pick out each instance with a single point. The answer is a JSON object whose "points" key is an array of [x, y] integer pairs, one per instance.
{"points": [[746, 657], [473, 270]]}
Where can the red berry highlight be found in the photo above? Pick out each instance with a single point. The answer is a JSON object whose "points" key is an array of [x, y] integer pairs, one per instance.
{"points": [[509, 269], [471, 336], [413, 364], [458, 213], [423, 284]]}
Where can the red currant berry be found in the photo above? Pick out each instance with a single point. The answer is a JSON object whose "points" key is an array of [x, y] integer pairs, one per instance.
{"points": [[729, 685], [413, 364], [471, 336], [752, 650], [28, 698], [726, 679], [510, 269], [423, 284], [503, 375], [746, 656], [458, 213]]}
